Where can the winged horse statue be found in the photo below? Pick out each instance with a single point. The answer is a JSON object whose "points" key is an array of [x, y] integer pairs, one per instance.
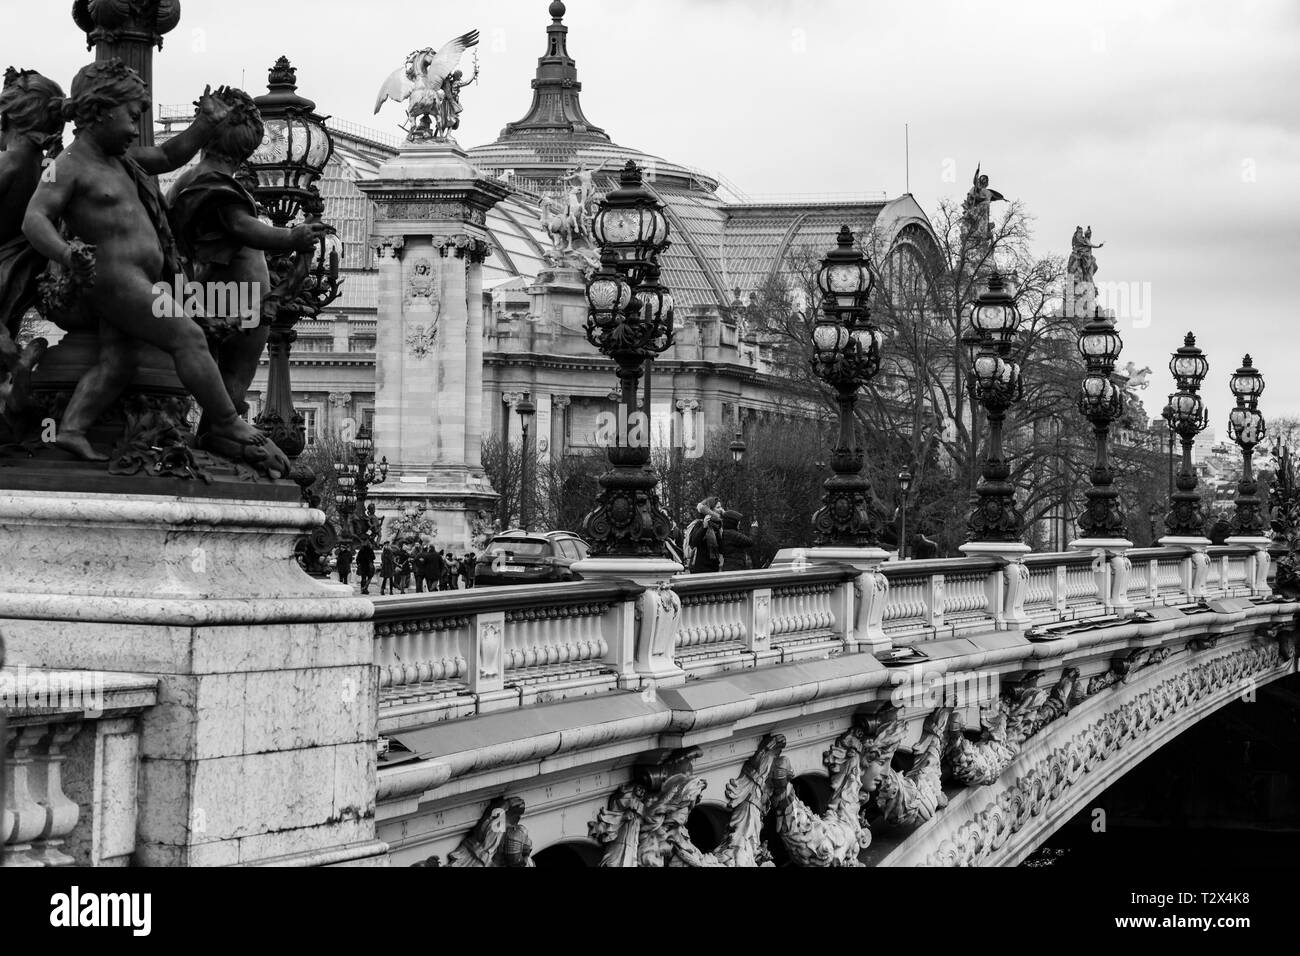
{"points": [[429, 84]]}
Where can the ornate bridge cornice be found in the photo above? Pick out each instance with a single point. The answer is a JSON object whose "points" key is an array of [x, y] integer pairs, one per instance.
{"points": [[1072, 761]]}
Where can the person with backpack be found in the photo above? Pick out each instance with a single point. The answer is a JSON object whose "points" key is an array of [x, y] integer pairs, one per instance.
{"points": [[704, 539]]}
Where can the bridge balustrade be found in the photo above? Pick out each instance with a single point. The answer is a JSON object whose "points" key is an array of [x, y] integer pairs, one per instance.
{"points": [[469, 652], [71, 767]]}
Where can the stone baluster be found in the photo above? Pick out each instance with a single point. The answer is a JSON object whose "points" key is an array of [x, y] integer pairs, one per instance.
{"points": [[24, 816], [1060, 592], [61, 813]]}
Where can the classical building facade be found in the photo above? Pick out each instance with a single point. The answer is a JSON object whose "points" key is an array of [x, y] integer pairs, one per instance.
{"points": [[719, 375]]}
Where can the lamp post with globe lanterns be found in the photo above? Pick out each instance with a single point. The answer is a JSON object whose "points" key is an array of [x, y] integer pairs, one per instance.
{"points": [[904, 489], [294, 153], [1101, 402], [630, 320], [527, 410], [356, 476], [1248, 429], [846, 356], [1250, 525], [1187, 419], [996, 524]]}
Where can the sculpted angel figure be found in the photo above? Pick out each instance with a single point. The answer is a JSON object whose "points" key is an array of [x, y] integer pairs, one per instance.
{"points": [[430, 84], [975, 209]]}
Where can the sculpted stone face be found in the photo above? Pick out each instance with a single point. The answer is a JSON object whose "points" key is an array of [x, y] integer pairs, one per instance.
{"points": [[118, 129], [872, 772]]}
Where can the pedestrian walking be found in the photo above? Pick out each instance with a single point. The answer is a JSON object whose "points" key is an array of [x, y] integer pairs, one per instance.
{"points": [[343, 557], [387, 570], [366, 566]]}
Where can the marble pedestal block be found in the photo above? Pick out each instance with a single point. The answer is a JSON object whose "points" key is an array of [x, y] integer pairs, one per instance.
{"points": [[261, 746]]}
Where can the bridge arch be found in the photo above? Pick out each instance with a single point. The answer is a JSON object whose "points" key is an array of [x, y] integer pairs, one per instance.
{"points": [[1076, 759], [568, 855]]}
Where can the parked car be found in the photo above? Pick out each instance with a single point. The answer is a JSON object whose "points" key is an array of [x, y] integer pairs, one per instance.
{"points": [[522, 557]]}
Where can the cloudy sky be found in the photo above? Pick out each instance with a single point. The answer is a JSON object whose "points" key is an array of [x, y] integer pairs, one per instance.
{"points": [[1171, 128]]}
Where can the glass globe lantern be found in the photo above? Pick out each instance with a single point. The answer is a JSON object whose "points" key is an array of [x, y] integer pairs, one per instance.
{"points": [[738, 449], [845, 281], [990, 369], [655, 311], [1247, 384], [1248, 426], [631, 223], [608, 293], [363, 445], [994, 315], [295, 148], [1100, 345], [830, 339], [1189, 365]]}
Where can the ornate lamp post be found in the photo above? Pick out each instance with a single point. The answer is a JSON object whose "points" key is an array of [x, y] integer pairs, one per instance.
{"points": [[846, 355], [356, 477], [996, 386], [1248, 429], [1101, 402], [630, 320], [292, 157], [527, 411], [904, 488], [1186, 520], [128, 30]]}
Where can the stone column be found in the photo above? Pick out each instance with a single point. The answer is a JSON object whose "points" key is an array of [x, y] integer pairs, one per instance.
{"points": [[388, 341], [559, 411], [429, 359], [451, 347], [474, 360]]}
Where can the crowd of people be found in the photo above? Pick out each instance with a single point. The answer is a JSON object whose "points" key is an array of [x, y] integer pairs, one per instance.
{"points": [[400, 567]]}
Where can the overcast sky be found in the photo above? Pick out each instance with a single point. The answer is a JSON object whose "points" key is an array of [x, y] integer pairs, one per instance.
{"points": [[1171, 128]]}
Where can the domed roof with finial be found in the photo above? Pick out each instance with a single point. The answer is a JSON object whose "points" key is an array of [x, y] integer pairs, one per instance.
{"points": [[556, 137]]}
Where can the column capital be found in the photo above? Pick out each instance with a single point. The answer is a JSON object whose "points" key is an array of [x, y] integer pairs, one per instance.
{"points": [[387, 247]]}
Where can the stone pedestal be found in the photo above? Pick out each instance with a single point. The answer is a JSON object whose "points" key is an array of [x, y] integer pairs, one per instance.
{"points": [[1197, 571], [1009, 612], [1260, 563], [430, 241], [658, 613], [261, 746]]}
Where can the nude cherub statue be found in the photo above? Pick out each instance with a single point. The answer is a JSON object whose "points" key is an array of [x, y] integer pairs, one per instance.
{"points": [[103, 194], [222, 240], [31, 120]]}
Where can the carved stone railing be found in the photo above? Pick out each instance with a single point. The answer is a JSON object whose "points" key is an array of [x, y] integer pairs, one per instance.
{"points": [[71, 754], [451, 655], [755, 617], [504, 646]]}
